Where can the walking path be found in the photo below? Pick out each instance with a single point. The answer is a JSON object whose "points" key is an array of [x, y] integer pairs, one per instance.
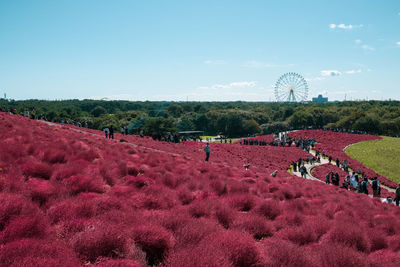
{"points": [[324, 161]]}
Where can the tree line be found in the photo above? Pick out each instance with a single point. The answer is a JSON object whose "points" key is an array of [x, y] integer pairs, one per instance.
{"points": [[232, 119]]}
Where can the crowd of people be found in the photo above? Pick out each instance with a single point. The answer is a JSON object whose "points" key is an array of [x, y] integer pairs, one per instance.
{"points": [[356, 181]]}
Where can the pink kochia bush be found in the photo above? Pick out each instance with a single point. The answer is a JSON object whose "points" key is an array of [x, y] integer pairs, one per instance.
{"points": [[73, 199]]}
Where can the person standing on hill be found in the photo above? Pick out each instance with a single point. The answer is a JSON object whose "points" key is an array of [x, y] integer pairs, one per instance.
{"points": [[106, 131], [327, 178], [111, 135], [207, 150], [397, 195]]}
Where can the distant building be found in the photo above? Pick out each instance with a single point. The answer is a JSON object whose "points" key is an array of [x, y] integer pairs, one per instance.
{"points": [[320, 99]]}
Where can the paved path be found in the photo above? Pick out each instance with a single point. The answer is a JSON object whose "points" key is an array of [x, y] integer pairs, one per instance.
{"points": [[324, 161]]}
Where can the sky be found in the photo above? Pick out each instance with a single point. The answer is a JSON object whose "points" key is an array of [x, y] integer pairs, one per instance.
{"points": [[205, 50]]}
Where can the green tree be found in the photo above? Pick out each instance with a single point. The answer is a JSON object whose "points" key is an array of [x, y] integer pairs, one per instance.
{"points": [[159, 125], [301, 119], [185, 125], [98, 111]]}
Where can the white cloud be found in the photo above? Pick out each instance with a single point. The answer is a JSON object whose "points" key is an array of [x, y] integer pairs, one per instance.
{"points": [[344, 26], [215, 62], [398, 43], [358, 41], [353, 71], [368, 48], [231, 85], [330, 73]]}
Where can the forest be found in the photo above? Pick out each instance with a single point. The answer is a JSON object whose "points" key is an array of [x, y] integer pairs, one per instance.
{"points": [[231, 119]]}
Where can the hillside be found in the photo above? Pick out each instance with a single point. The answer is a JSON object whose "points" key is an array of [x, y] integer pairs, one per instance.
{"points": [[70, 197]]}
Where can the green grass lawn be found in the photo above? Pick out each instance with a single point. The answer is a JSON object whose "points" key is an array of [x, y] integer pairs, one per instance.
{"points": [[382, 156]]}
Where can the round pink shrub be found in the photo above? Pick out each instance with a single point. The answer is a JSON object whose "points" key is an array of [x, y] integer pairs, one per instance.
{"points": [[200, 209], [255, 225], [199, 256], [242, 202], [270, 209], [225, 215], [384, 258], [240, 248], [155, 241], [33, 252], [278, 252], [99, 239], [185, 196], [350, 235], [80, 183], [41, 190], [32, 226], [138, 182], [13, 206], [37, 169], [194, 231], [53, 156], [333, 254]]}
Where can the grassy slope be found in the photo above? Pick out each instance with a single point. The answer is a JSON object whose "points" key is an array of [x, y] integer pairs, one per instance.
{"points": [[382, 156]]}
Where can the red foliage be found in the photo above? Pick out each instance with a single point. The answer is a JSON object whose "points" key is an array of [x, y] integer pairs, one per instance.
{"points": [[33, 252], [269, 209], [160, 203], [155, 241], [118, 263], [278, 252], [33, 226], [255, 225], [80, 183], [349, 235], [38, 169], [240, 248], [99, 240], [340, 256]]}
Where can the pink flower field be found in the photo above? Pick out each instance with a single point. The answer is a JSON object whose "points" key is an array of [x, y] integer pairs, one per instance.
{"points": [[76, 199]]}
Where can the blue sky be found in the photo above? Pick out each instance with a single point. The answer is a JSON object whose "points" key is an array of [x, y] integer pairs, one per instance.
{"points": [[198, 50]]}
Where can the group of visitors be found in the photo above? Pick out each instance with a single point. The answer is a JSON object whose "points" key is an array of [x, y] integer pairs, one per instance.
{"points": [[109, 132], [124, 130], [167, 137]]}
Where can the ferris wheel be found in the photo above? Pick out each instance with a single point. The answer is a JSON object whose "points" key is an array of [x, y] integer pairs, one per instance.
{"points": [[291, 87]]}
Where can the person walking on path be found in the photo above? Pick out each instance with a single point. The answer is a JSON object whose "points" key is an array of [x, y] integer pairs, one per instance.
{"points": [[364, 186], [207, 150], [376, 189], [106, 131], [397, 195]]}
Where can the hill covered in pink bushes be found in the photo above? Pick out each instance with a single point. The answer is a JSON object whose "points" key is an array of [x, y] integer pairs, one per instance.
{"points": [[73, 199]]}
